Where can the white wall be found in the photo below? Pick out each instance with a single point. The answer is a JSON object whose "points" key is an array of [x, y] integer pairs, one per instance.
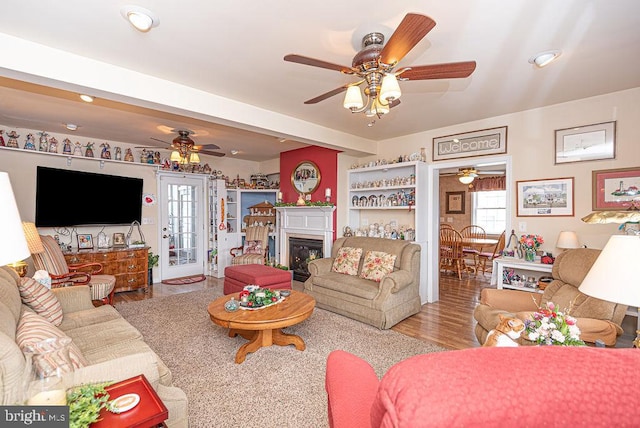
{"points": [[531, 144]]}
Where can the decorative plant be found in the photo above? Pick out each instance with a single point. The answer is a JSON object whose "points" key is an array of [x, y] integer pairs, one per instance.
{"points": [[153, 259], [307, 203], [548, 326], [85, 403]]}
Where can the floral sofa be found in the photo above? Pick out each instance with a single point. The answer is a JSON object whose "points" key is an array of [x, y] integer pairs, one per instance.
{"points": [[104, 346], [372, 280]]}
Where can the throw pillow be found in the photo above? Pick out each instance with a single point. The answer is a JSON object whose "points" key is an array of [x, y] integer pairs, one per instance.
{"points": [[41, 300], [347, 260], [376, 265], [32, 328], [252, 247]]}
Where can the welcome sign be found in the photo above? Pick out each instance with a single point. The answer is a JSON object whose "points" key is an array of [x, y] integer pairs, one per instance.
{"points": [[477, 143]]}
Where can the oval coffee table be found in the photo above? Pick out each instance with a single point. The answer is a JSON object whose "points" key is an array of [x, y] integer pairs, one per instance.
{"points": [[262, 327]]}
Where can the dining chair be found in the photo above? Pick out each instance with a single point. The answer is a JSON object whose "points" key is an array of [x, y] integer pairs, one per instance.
{"points": [[485, 258], [471, 252], [52, 260], [451, 255]]}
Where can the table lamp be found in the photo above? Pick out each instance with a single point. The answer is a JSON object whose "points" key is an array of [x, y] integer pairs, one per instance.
{"points": [[614, 275], [567, 239], [14, 247]]}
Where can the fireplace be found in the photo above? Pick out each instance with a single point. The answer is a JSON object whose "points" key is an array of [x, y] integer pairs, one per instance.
{"points": [[301, 252]]}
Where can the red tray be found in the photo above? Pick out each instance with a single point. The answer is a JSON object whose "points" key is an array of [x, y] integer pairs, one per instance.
{"points": [[149, 412]]}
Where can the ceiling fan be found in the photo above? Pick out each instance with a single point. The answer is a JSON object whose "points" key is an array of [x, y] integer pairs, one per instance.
{"points": [[374, 66], [185, 149], [467, 175]]}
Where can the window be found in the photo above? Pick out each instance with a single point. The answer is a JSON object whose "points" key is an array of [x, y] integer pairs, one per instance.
{"points": [[489, 211]]}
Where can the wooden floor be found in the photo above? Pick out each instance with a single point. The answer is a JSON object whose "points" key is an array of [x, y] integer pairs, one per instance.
{"points": [[448, 322]]}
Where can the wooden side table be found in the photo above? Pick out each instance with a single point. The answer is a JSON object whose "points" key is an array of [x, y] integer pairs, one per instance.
{"points": [[150, 411]]}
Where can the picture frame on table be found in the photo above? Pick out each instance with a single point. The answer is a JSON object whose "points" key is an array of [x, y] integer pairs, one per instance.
{"points": [[119, 240], [551, 197], [586, 143], [484, 142], [615, 189], [455, 202], [85, 241]]}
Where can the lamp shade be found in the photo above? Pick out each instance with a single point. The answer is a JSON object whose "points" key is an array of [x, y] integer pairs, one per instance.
{"points": [[33, 238], [377, 108], [194, 158], [353, 98], [14, 245], [390, 90], [567, 239], [614, 275], [175, 156], [466, 179]]}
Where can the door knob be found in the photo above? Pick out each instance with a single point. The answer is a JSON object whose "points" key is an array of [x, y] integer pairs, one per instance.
{"points": [[165, 236]]}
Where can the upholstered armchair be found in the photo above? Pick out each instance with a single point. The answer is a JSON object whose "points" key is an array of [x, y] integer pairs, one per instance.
{"points": [[597, 319], [52, 260], [255, 249]]}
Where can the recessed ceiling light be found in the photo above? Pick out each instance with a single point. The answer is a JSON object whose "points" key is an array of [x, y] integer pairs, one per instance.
{"points": [[234, 152], [86, 98], [142, 19], [545, 58], [71, 126]]}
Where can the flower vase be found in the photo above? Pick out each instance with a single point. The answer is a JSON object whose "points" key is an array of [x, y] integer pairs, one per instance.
{"points": [[529, 255]]}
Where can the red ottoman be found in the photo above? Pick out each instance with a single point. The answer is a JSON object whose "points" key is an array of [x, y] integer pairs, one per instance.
{"points": [[237, 276]]}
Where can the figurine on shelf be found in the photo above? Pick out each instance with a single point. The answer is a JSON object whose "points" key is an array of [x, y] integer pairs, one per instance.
{"points": [[105, 153], [128, 156], [30, 143], [66, 146], [143, 156], [1, 138], [149, 159], [44, 142], [118, 153], [13, 140], [88, 153], [53, 145], [77, 149], [206, 169], [156, 158]]}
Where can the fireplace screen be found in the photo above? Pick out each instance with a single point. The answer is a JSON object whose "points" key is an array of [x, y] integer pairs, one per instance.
{"points": [[301, 252]]}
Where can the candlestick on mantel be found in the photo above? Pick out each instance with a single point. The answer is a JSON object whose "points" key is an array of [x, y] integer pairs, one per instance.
{"points": [[279, 196], [327, 194]]}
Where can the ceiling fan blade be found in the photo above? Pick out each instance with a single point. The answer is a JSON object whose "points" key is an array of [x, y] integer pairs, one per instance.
{"points": [[410, 31], [305, 60], [327, 95], [206, 152], [162, 141], [201, 147], [451, 70]]}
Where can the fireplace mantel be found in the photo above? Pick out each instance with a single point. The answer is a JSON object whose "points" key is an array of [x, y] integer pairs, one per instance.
{"points": [[304, 222]]}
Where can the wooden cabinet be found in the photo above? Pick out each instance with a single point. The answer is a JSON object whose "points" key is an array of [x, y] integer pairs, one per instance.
{"points": [[128, 265]]}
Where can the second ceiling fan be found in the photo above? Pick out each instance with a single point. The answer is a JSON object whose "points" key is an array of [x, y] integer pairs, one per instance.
{"points": [[374, 65]]}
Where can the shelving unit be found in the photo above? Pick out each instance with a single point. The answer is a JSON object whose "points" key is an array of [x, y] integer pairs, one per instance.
{"points": [[218, 256], [394, 193], [520, 268]]}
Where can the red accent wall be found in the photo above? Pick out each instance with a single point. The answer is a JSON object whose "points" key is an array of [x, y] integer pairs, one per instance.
{"points": [[327, 161]]}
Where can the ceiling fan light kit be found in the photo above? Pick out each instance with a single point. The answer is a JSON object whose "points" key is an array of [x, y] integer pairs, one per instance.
{"points": [[374, 65]]}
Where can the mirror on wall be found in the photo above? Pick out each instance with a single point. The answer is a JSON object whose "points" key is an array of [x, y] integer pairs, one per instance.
{"points": [[305, 177]]}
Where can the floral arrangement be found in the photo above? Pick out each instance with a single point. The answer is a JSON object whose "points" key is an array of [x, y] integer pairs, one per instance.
{"points": [[531, 242], [551, 327], [255, 297]]}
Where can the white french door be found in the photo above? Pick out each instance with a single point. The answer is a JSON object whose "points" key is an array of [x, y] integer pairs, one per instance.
{"points": [[182, 227]]}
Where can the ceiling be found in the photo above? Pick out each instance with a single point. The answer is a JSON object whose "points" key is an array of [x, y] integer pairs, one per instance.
{"points": [[235, 50]]}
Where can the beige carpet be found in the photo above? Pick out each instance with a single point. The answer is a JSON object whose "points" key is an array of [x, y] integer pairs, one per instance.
{"points": [[274, 387]]}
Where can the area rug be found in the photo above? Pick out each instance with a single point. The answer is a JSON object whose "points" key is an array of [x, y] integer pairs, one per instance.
{"points": [[276, 386], [184, 280]]}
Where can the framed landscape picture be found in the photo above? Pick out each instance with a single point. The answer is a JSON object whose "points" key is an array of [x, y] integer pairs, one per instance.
{"points": [[586, 143], [615, 189], [551, 197]]}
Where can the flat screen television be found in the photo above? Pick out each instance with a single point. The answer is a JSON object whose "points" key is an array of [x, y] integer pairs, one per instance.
{"points": [[76, 198]]}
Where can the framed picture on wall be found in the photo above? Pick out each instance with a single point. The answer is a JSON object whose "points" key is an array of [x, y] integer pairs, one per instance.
{"points": [[455, 202], [85, 241], [615, 189], [586, 143], [551, 197]]}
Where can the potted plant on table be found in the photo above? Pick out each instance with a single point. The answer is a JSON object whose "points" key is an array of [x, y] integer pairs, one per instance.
{"points": [[153, 261]]}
